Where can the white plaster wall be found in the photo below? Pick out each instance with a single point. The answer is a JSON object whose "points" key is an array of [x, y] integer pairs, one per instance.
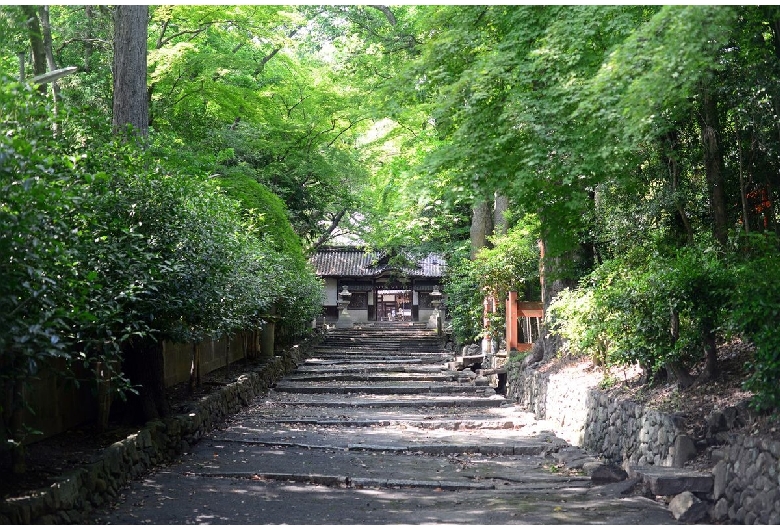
{"points": [[331, 294]]}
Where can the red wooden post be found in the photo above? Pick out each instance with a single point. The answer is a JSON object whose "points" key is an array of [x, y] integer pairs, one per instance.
{"points": [[511, 321]]}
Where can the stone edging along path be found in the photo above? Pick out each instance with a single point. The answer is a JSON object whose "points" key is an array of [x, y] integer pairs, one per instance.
{"points": [[77, 492]]}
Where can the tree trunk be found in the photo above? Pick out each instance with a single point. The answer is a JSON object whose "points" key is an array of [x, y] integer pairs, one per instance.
{"points": [[670, 156], [710, 357], [552, 284], [481, 226], [713, 164], [43, 11], [88, 41], [677, 370], [500, 225], [130, 96], [36, 42]]}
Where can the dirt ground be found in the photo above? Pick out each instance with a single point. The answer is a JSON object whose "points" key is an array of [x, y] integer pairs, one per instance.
{"points": [[49, 458], [697, 402]]}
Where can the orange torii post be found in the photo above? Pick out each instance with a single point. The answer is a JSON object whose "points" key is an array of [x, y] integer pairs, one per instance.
{"points": [[514, 311]]}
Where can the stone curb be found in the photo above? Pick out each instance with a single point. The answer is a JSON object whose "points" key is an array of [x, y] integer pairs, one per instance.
{"points": [[77, 492]]}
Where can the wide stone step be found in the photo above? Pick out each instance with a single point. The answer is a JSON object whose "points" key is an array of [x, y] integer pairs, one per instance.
{"points": [[373, 376], [359, 387], [431, 402], [373, 363], [381, 336], [383, 346], [352, 367], [498, 413], [381, 356], [446, 424]]}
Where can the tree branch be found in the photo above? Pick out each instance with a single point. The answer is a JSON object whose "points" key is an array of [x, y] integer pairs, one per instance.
{"points": [[333, 225], [273, 53], [345, 129], [388, 14]]}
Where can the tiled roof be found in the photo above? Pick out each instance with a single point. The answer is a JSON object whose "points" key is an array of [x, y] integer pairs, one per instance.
{"points": [[351, 261]]}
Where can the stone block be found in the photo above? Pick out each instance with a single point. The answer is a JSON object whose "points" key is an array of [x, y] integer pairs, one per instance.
{"points": [[667, 481], [66, 490], [687, 508], [720, 511], [720, 475], [684, 450], [607, 473]]}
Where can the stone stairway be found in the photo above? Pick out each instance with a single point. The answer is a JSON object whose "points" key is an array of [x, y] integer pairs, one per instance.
{"points": [[374, 364], [375, 429]]}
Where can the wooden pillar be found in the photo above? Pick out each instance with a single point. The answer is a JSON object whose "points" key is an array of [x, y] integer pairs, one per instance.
{"points": [[267, 335], [511, 321]]}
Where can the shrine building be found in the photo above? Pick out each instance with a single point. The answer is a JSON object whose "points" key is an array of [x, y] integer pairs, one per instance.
{"points": [[383, 287]]}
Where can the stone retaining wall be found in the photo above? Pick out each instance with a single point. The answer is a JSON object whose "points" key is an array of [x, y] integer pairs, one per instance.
{"points": [[747, 482], [79, 491], [746, 475]]}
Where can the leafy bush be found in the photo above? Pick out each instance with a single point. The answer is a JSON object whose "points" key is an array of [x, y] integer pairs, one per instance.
{"points": [[756, 313], [659, 311], [572, 316], [104, 246], [464, 298]]}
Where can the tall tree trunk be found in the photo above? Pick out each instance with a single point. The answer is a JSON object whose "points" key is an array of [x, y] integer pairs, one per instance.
{"points": [[552, 284], [43, 12], [713, 164], [481, 229], [481, 226], [144, 361], [501, 205], [683, 378], [36, 41], [710, 354], [130, 102], [742, 187], [670, 156], [88, 41]]}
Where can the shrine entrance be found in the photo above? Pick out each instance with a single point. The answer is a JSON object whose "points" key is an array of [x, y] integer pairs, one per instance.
{"points": [[394, 305]]}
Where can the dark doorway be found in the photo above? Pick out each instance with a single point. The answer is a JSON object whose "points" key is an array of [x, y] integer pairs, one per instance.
{"points": [[394, 305]]}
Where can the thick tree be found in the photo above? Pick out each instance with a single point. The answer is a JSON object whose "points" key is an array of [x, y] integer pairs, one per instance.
{"points": [[131, 107]]}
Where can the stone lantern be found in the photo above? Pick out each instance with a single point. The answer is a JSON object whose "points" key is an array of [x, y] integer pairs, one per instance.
{"points": [[434, 322], [345, 319]]}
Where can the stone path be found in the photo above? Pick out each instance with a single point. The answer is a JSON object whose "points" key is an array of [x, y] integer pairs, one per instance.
{"points": [[374, 430]]}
